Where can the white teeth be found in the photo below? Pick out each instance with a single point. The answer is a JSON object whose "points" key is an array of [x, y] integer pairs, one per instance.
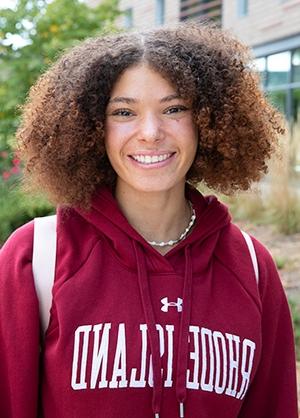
{"points": [[148, 159]]}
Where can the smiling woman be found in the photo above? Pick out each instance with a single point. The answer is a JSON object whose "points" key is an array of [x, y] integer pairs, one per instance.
{"points": [[207, 68], [161, 306]]}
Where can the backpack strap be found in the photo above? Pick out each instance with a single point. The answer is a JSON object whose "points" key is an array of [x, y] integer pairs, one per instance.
{"points": [[252, 252], [43, 264]]}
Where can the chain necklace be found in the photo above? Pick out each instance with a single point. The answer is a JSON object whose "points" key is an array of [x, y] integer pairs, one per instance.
{"points": [[182, 236]]}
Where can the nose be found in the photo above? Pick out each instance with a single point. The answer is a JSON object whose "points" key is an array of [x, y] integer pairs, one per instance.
{"points": [[150, 128]]}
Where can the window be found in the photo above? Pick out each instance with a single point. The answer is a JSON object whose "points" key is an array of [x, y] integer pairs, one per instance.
{"points": [[278, 68], [160, 12], [295, 130], [282, 75], [128, 18], [296, 65], [201, 9], [261, 66], [242, 7]]}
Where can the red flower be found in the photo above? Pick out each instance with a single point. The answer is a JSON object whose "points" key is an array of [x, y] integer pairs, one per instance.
{"points": [[15, 170], [6, 175], [16, 161]]}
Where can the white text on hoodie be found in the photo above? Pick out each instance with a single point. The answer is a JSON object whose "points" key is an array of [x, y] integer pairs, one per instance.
{"points": [[221, 363]]}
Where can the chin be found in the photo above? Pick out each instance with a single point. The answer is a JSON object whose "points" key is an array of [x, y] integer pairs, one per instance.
{"points": [[156, 188]]}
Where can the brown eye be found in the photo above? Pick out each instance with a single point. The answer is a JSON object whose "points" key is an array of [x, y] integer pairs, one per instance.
{"points": [[122, 112], [175, 109]]}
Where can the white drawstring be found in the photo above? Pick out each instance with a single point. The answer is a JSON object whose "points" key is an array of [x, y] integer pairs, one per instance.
{"points": [[181, 410]]}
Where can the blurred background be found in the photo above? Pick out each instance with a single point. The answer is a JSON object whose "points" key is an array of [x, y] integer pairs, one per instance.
{"points": [[33, 33]]}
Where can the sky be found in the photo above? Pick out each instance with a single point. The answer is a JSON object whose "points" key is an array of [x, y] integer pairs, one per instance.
{"points": [[7, 3], [16, 40]]}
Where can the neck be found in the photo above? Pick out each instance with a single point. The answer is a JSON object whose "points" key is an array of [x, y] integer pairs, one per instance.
{"points": [[157, 216]]}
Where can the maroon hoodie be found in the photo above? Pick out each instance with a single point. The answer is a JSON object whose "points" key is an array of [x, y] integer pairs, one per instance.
{"points": [[136, 334]]}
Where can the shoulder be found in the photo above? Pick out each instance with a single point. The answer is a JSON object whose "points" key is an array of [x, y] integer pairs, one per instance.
{"points": [[16, 262], [20, 241], [233, 239], [234, 252]]}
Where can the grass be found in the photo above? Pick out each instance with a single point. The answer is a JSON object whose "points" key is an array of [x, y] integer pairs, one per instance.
{"points": [[295, 311], [247, 206], [280, 262], [274, 201]]}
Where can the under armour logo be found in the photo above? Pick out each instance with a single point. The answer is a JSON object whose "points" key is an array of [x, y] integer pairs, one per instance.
{"points": [[166, 304]]}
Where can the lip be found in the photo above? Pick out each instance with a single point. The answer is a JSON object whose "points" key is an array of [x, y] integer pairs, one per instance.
{"points": [[152, 153]]}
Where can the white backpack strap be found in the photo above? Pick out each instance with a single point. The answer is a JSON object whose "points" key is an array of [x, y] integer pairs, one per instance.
{"points": [[43, 264], [252, 254]]}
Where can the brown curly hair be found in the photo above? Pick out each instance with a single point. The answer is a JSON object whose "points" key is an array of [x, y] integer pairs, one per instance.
{"points": [[61, 137]]}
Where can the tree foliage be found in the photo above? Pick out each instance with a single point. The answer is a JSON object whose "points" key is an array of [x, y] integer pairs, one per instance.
{"points": [[32, 35]]}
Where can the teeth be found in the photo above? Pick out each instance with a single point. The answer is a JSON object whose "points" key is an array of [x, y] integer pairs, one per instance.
{"points": [[148, 159]]}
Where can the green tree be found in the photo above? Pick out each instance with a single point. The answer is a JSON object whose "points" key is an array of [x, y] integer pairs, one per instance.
{"points": [[46, 28]]}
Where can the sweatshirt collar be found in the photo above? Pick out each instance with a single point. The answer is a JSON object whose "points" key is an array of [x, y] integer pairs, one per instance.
{"points": [[106, 216]]}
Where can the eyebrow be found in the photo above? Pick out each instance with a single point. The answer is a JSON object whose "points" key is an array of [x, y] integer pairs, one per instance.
{"points": [[130, 100]]}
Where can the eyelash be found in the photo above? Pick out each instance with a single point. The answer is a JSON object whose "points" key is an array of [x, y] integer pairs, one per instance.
{"points": [[120, 112], [180, 108], [126, 112]]}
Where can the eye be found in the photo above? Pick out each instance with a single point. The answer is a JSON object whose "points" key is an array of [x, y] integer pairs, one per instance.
{"points": [[122, 112], [175, 109]]}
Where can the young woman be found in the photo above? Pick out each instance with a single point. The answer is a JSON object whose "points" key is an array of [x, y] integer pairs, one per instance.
{"points": [[157, 310]]}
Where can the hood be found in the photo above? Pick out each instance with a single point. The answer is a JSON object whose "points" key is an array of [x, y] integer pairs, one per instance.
{"points": [[193, 254], [211, 217]]}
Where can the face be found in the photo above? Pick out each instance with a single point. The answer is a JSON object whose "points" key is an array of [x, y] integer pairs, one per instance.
{"points": [[150, 136]]}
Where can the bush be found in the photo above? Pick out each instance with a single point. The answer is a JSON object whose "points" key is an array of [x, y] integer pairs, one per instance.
{"points": [[17, 208]]}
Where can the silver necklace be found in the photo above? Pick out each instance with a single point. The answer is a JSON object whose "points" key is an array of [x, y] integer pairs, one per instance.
{"points": [[182, 236]]}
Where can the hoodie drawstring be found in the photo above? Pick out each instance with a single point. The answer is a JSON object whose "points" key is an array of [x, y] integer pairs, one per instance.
{"points": [[182, 360], [151, 326], [183, 343]]}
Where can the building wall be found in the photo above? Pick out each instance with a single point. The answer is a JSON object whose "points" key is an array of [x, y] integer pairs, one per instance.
{"points": [[266, 21], [144, 13]]}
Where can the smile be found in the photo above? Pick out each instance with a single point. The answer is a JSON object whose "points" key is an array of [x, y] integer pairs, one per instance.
{"points": [[151, 159]]}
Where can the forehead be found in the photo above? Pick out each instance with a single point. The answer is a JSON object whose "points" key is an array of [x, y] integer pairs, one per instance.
{"points": [[142, 79]]}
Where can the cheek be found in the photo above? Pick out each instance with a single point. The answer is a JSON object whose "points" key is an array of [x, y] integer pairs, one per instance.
{"points": [[119, 130], [116, 136], [187, 131], [184, 125]]}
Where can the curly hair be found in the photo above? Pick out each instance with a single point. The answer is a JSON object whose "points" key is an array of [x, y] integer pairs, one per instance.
{"points": [[61, 136]]}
